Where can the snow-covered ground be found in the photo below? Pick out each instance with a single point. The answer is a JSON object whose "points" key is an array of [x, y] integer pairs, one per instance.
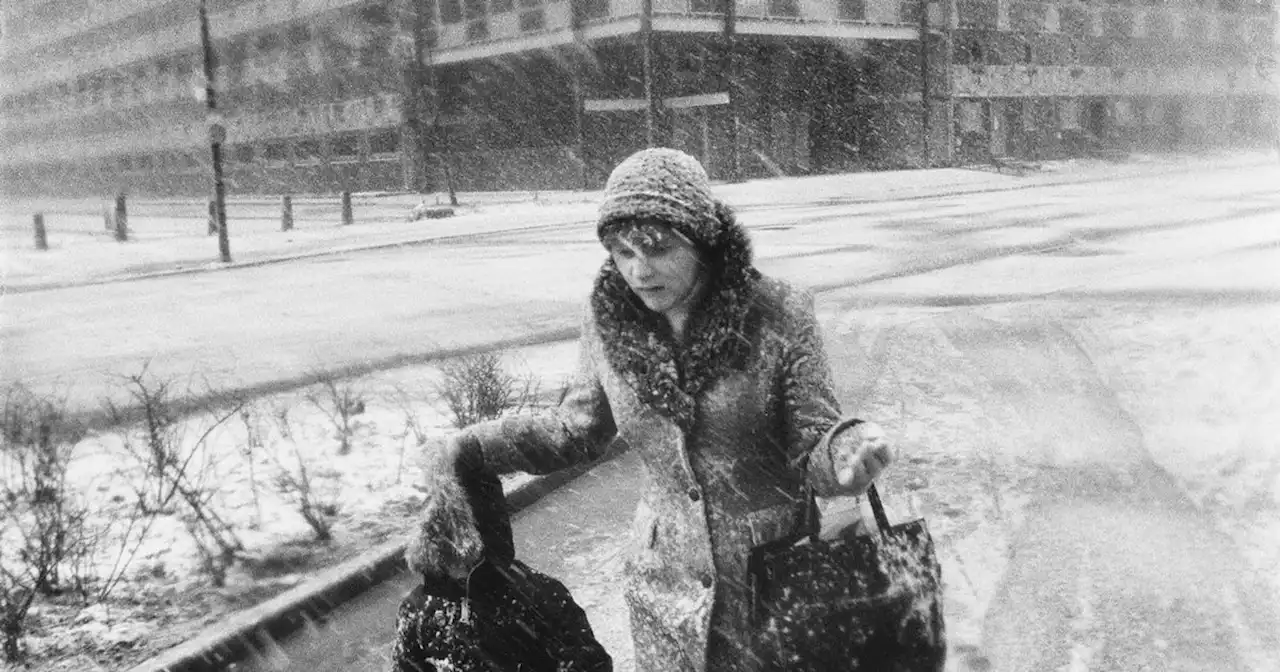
{"points": [[1002, 336]]}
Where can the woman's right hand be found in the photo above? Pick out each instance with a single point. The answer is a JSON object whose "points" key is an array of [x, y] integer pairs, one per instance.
{"points": [[862, 452]]}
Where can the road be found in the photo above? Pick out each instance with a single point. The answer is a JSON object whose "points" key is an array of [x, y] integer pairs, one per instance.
{"points": [[1029, 351], [265, 326]]}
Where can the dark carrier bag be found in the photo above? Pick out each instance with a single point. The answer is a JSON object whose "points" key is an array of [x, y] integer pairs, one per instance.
{"points": [[867, 603]]}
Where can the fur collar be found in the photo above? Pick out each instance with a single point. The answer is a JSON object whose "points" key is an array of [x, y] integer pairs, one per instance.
{"points": [[666, 376]]}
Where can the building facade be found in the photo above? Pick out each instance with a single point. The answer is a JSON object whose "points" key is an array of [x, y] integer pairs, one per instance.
{"points": [[319, 96]]}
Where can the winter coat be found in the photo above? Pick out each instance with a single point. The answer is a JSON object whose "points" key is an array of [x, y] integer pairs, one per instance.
{"points": [[514, 619], [726, 425]]}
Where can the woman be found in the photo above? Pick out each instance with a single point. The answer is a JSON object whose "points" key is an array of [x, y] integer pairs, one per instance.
{"points": [[716, 375]]}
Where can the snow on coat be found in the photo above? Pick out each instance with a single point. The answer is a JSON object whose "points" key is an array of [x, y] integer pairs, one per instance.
{"points": [[726, 425]]}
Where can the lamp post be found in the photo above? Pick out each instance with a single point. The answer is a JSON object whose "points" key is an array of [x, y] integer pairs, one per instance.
{"points": [[217, 135]]}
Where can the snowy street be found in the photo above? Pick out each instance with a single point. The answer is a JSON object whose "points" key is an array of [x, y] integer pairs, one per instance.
{"points": [[1082, 379], [257, 327]]}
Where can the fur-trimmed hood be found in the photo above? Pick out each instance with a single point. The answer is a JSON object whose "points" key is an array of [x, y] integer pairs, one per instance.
{"points": [[667, 376]]}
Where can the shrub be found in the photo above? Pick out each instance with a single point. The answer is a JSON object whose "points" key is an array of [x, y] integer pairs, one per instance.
{"points": [[302, 484], [340, 401], [479, 388], [42, 526], [177, 473]]}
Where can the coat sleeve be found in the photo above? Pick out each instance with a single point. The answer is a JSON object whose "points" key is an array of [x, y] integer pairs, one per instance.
{"points": [[809, 400], [575, 432]]}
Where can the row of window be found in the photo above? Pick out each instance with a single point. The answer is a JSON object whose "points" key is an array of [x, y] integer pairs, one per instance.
{"points": [[342, 148], [474, 12], [360, 39], [1034, 114]]}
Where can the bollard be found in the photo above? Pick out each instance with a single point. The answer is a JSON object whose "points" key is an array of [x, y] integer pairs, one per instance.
{"points": [[122, 219], [42, 241], [347, 217], [213, 217], [286, 213]]}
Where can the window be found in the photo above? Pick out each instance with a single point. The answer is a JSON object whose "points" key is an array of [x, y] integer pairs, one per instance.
{"points": [[969, 52], [1074, 21], [307, 150], [784, 8], [853, 10], [378, 14], [384, 142], [594, 9], [1069, 114], [532, 20], [475, 9], [501, 6], [451, 11], [266, 46], [276, 152], [969, 116], [243, 154], [704, 6], [479, 30], [345, 147]]}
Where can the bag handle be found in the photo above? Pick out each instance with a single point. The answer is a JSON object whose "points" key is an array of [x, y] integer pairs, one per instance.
{"points": [[811, 517]]}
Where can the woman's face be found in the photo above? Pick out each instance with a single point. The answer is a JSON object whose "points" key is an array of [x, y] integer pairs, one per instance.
{"points": [[660, 266]]}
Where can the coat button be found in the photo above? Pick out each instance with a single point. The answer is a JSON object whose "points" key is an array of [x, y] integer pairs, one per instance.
{"points": [[694, 494], [706, 580]]}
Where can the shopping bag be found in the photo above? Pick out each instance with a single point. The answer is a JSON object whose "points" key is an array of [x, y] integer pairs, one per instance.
{"points": [[870, 603]]}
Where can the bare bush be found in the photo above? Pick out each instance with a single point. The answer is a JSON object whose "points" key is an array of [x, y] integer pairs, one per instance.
{"points": [[414, 430], [42, 523], [340, 401], [254, 446], [478, 388], [130, 529], [178, 472], [312, 491]]}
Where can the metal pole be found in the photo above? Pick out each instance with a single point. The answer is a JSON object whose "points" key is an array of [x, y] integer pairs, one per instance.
{"points": [[122, 218], [925, 93], [948, 101], [646, 56], [42, 238], [730, 66], [286, 213], [579, 109], [216, 136]]}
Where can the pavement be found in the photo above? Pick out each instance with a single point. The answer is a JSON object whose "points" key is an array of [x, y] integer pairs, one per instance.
{"points": [[250, 632]]}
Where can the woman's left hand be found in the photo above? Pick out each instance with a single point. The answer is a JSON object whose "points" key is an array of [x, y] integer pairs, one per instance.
{"points": [[860, 453]]}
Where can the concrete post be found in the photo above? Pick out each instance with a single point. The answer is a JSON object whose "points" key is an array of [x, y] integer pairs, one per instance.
{"points": [[42, 240], [122, 219], [347, 217], [286, 213]]}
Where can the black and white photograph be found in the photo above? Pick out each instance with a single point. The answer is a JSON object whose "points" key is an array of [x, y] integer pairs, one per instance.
{"points": [[640, 335]]}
